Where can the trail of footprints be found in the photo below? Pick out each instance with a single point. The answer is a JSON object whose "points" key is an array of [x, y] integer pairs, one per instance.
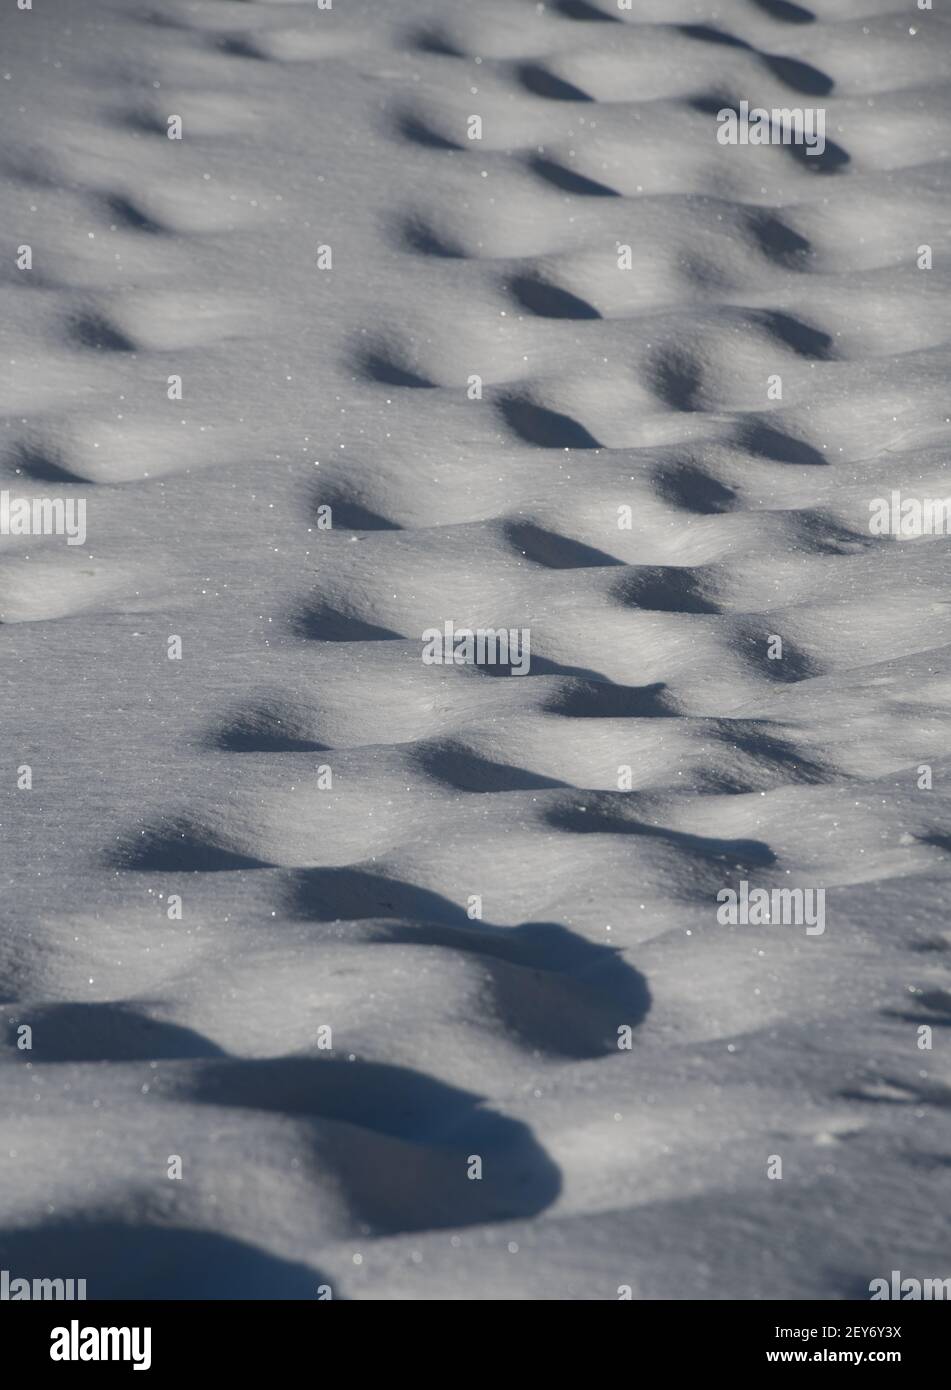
{"points": [[688, 450]]}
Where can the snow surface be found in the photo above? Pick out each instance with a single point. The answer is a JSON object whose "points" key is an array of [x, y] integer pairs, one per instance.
{"points": [[306, 906]]}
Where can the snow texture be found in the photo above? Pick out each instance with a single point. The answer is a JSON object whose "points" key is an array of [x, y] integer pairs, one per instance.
{"points": [[482, 884]]}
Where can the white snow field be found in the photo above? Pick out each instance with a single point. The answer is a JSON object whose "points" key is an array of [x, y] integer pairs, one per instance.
{"points": [[325, 968]]}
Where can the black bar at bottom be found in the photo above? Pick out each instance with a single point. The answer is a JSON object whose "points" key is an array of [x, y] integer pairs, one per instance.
{"points": [[252, 1337]]}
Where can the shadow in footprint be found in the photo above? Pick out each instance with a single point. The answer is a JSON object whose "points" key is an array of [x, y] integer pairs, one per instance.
{"points": [[414, 129], [607, 813], [400, 1142], [777, 241], [179, 847], [706, 33], [664, 589], [127, 215], [142, 119], [785, 11], [326, 624], [553, 551], [765, 442], [37, 464], [542, 83], [892, 1090], [832, 160], [711, 103], [768, 749], [938, 1001], [238, 46], [802, 77], [793, 666], [457, 767], [414, 234], [109, 1033], [819, 534], [92, 331], [380, 367], [549, 301], [578, 698], [939, 1018], [435, 42], [239, 740], [580, 9], [676, 379], [261, 728], [540, 666], [692, 489], [557, 991], [938, 839], [125, 1261], [348, 515], [806, 341], [547, 429], [568, 181]]}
